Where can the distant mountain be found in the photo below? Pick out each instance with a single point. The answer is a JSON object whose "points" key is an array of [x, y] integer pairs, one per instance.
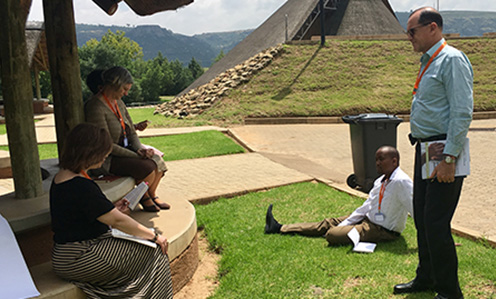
{"points": [[152, 38], [173, 46], [206, 46], [467, 23], [224, 41]]}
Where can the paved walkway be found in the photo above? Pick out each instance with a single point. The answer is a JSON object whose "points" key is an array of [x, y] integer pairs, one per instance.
{"points": [[285, 154], [324, 151]]}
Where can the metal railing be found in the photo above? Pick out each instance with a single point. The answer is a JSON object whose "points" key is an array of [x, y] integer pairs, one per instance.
{"points": [[330, 5]]}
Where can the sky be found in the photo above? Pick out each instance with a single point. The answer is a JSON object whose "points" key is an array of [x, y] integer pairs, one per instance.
{"points": [[203, 16]]}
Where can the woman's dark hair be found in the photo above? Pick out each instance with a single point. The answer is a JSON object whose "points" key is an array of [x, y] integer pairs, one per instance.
{"points": [[117, 77], [94, 80], [86, 145]]}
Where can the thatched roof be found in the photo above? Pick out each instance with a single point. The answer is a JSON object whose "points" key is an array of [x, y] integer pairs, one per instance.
{"points": [[149, 7], [369, 17], [140, 7], [36, 46]]}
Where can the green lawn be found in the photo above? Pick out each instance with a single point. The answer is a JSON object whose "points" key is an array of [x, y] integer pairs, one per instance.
{"points": [[175, 147], [46, 151], [255, 265], [194, 145]]}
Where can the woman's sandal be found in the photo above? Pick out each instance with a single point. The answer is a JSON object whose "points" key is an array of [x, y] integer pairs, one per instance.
{"points": [[162, 205], [149, 208]]}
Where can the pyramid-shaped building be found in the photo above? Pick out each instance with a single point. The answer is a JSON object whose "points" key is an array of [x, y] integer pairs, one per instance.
{"points": [[300, 19]]}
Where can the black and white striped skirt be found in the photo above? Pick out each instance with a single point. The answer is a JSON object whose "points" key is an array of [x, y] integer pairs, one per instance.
{"points": [[108, 267]]}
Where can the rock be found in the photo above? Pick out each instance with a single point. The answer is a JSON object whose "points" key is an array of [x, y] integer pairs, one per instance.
{"points": [[196, 101]]}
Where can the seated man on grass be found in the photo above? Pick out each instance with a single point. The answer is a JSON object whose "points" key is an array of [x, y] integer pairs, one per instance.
{"points": [[382, 216]]}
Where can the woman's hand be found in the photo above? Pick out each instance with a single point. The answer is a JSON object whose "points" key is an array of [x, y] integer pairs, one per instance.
{"points": [[163, 243], [145, 153], [141, 125], [123, 206]]}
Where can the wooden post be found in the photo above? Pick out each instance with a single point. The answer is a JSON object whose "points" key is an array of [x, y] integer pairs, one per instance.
{"points": [[37, 81], [65, 74], [18, 100]]}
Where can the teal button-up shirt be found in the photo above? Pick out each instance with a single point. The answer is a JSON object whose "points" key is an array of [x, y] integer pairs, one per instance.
{"points": [[443, 103]]}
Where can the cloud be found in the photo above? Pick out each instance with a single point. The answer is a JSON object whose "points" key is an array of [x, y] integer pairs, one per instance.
{"points": [[200, 16], [224, 15], [477, 5]]}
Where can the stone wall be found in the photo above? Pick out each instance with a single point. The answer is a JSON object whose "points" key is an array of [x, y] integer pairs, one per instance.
{"points": [[197, 100]]}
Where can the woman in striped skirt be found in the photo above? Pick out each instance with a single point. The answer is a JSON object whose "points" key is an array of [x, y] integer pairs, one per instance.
{"points": [[85, 252]]}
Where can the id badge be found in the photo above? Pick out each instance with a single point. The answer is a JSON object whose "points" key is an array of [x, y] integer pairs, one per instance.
{"points": [[126, 143], [379, 217]]}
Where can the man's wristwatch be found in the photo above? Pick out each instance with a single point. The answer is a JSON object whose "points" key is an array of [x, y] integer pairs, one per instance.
{"points": [[449, 159]]}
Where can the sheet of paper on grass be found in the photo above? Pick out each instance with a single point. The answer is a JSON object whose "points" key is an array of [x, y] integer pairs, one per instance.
{"points": [[360, 246], [15, 280]]}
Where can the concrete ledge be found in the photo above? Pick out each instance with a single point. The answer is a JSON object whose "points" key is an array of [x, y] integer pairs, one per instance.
{"points": [[315, 120], [26, 214], [472, 235], [179, 226], [184, 266]]}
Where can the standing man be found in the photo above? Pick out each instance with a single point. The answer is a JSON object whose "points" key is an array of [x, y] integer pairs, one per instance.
{"points": [[441, 110]]}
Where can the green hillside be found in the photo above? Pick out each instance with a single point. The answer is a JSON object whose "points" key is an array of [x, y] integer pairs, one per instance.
{"points": [[224, 41], [467, 23], [346, 77]]}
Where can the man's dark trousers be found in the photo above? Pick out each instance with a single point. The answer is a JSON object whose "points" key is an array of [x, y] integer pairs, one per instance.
{"points": [[434, 204]]}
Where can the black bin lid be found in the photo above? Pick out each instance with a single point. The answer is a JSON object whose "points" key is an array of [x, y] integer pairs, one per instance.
{"points": [[371, 117]]}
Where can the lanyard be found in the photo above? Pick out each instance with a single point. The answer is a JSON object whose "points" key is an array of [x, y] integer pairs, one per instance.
{"points": [[381, 193], [85, 174], [117, 113], [419, 75]]}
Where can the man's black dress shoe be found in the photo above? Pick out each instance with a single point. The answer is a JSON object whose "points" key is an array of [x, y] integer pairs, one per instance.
{"points": [[271, 225], [439, 296], [411, 287]]}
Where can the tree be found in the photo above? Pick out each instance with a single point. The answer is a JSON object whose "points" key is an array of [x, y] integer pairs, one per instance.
{"points": [[195, 68], [45, 83], [219, 57], [151, 82], [114, 49], [167, 83], [182, 77]]}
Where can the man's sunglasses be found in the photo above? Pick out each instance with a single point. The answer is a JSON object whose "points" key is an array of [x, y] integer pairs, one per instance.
{"points": [[411, 32]]}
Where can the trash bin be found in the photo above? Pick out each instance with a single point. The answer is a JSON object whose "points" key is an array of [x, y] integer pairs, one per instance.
{"points": [[368, 132]]}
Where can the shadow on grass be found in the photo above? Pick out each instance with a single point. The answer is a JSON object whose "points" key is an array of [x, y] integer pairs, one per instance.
{"points": [[285, 91], [398, 246]]}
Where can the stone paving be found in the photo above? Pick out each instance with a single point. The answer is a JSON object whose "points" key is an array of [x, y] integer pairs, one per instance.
{"points": [[324, 151], [285, 154]]}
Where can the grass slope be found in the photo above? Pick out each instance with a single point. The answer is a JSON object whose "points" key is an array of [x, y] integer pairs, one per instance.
{"points": [[345, 77]]}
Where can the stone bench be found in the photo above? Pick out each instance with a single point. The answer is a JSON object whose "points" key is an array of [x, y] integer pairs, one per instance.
{"points": [[30, 221], [179, 226]]}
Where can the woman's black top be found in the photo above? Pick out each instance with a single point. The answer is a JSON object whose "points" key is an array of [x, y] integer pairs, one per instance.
{"points": [[75, 206]]}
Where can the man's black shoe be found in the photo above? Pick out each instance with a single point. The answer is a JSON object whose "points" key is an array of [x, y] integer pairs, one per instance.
{"points": [[271, 225], [411, 287], [439, 296]]}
